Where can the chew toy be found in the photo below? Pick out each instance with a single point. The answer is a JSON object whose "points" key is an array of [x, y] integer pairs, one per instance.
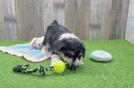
{"points": [[57, 65]]}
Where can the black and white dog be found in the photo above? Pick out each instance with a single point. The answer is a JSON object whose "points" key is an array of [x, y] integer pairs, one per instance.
{"points": [[59, 40]]}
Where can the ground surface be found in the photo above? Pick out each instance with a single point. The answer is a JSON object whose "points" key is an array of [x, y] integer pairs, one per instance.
{"points": [[116, 74]]}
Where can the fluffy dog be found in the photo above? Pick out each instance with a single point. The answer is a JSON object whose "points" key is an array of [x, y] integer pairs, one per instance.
{"points": [[59, 40]]}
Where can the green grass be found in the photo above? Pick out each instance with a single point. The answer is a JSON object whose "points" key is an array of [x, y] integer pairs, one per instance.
{"points": [[119, 73]]}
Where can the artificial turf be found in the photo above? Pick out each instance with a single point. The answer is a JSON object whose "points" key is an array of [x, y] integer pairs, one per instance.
{"points": [[119, 73]]}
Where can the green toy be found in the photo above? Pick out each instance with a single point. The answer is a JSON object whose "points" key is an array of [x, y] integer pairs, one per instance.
{"points": [[27, 69], [57, 68]]}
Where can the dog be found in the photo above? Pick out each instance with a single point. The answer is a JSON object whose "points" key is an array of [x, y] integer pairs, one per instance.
{"points": [[37, 43], [59, 40]]}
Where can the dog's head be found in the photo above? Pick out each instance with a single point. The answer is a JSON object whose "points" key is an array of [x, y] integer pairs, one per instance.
{"points": [[72, 50], [37, 42]]}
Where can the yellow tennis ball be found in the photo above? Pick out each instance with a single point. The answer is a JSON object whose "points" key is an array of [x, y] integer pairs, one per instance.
{"points": [[59, 67]]}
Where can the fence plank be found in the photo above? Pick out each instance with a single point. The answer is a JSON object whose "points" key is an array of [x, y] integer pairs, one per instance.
{"points": [[30, 21], [105, 19], [108, 19], [119, 13], [77, 17], [54, 10], [123, 19], [10, 20], [95, 19], [2, 31], [129, 35], [33, 16]]}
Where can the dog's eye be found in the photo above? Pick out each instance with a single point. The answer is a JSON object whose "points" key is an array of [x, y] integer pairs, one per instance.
{"points": [[68, 55], [79, 56], [65, 54]]}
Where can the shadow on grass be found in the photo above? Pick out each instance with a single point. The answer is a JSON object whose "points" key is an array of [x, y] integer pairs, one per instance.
{"points": [[103, 62]]}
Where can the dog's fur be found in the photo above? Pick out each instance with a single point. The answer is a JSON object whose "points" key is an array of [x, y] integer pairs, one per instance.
{"points": [[59, 40]]}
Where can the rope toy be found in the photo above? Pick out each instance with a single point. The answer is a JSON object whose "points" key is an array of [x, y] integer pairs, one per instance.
{"points": [[27, 69], [57, 66]]}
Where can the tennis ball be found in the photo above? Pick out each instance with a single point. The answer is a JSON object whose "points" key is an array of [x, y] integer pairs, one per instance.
{"points": [[59, 67]]}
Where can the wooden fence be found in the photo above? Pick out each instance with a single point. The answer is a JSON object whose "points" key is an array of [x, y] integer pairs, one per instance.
{"points": [[88, 19]]}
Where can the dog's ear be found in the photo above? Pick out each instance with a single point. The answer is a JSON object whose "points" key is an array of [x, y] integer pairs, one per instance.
{"points": [[54, 22], [83, 50], [33, 42]]}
